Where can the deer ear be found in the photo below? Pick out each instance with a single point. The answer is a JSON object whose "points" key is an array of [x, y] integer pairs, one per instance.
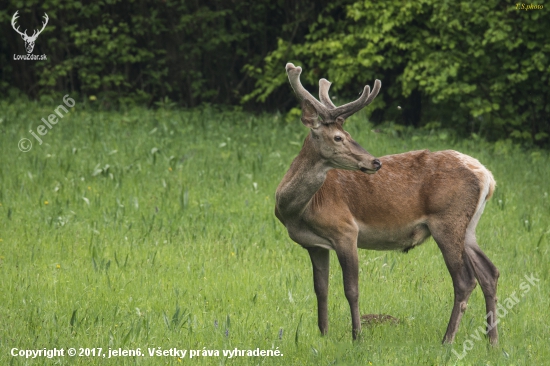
{"points": [[310, 116]]}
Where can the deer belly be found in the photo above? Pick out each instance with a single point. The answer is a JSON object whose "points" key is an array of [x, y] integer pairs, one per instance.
{"points": [[398, 238]]}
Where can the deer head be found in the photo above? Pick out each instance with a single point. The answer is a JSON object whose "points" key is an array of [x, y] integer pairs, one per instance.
{"points": [[326, 121], [29, 41]]}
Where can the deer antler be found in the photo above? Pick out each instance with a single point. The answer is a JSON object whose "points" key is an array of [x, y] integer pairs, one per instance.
{"points": [[326, 109], [364, 100], [324, 86], [293, 73], [13, 20], [43, 26], [24, 34]]}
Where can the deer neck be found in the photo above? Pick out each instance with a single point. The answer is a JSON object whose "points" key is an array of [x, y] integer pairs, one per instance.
{"points": [[304, 178]]}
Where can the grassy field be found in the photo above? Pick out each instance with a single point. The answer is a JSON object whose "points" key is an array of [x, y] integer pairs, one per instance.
{"points": [[154, 229]]}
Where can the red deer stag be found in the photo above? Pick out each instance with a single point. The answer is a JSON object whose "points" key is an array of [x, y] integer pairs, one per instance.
{"points": [[327, 202]]}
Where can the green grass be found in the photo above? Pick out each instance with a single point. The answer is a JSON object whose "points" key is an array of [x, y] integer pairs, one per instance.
{"points": [[146, 229]]}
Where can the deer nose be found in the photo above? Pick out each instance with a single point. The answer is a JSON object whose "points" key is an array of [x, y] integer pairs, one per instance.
{"points": [[377, 164]]}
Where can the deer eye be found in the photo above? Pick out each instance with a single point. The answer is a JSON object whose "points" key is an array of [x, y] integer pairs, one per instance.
{"points": [[337, 138]]}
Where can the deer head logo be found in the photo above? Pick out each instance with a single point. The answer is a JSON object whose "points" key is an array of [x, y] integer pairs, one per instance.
{"points": [[29, 41]]}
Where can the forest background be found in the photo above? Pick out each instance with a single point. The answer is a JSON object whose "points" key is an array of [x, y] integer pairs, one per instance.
{"points": [[477, 68]]}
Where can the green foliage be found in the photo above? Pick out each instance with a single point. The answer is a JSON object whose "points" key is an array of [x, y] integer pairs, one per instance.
{"points": [[476, 67], [142, 50]]}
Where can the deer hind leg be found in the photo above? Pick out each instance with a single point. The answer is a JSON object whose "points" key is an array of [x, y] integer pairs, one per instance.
{"points": [[320, 260], [450, 240], [487, 276]]}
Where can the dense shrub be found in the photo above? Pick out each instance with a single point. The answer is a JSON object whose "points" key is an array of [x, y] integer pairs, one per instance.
{"points": [[142, 50], [472, 66]]}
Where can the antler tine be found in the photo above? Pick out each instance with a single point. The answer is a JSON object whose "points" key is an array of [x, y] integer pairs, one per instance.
{"points": [[324, 86], [44, 23], [365, 99], [13, 20], [293, 73]]}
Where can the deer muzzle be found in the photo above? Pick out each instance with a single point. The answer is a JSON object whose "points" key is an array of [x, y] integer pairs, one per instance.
{"points": [[371, 167]]}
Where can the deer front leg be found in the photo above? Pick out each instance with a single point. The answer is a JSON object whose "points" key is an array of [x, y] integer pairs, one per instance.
{"points": [[350, 270], [320, 259]]}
